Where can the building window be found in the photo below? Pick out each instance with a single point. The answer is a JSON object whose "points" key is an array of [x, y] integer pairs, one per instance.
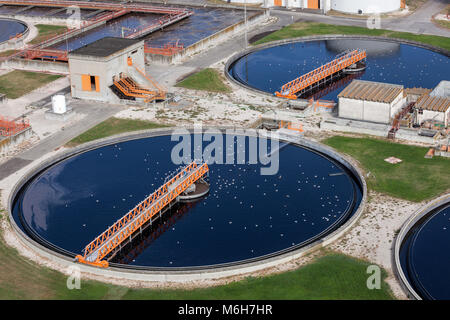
{"points": [[93, 83]]}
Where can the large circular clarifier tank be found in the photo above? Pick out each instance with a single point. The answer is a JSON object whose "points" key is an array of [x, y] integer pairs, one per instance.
{"points": [[269, 67], [245, 217], [425, 254], [10, 28]]}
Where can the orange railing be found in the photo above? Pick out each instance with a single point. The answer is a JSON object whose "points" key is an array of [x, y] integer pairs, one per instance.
{"points": [[119, 9], [142, 7], [9, 128], [168, 49], [290, 89], [122, 229]]}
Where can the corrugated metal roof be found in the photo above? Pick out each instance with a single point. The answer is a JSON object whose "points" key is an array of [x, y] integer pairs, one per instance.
{"points": [[417, 91], [371, 91], [427, 102]]}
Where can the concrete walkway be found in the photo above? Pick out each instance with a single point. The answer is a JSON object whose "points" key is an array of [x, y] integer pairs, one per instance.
{"points": [[94, 114]]}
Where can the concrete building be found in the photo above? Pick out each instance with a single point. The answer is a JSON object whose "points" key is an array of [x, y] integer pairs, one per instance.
{"points": [[346, 6], [304, 4], [371, 101], [435, 106], [94, 67], [366, 6]]}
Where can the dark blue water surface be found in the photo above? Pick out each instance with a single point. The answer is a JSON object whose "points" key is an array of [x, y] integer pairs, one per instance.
{"points": [[203, 23], [268, 69], [425, 255], [129, 23], [10, 28], [246, 214]]}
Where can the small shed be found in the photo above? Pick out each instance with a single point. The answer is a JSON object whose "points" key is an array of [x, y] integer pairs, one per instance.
{"points": [[433, 108]]}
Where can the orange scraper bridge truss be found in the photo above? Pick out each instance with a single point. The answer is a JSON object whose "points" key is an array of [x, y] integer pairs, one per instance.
{"points": [[345, 60], [153, 205]]}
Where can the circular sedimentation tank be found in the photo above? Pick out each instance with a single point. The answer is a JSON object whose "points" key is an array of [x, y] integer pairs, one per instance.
{"points": [[245, 217], [423, 255], [10, 28], [268, 67]]}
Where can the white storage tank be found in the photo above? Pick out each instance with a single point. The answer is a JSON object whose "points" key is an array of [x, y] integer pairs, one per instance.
{"points": [[59, 104], [366, 6]]}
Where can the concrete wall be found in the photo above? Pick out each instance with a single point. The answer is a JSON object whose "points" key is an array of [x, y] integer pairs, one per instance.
{"points": [[370, 110], [367, 6], [36, 65], [433, 115], [7, 143], [105, 69], [212, 40], [15, 43], [351, 109], [410, 223]]}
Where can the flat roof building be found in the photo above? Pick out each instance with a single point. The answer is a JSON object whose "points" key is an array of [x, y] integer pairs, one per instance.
{"points": [[95, 67], [435, 106], [371, 101]]}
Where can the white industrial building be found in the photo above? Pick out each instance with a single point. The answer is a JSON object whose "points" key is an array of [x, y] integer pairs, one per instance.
{"points": [[435, 106], [346, 6], [94, 67], [371, 101]]}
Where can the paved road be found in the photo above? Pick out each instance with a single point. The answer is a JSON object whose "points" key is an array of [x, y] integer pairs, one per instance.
{"points": [[95, 113], [418, 22]]}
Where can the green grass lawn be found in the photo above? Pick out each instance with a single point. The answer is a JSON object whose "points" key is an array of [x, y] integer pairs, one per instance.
{"points": [[111, 127], [333, 276], [17, 83], [302, 29], [442, 23], [46, 32], [207, 79], [414, 179]]}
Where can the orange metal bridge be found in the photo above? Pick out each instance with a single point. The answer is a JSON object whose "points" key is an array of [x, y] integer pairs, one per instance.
{"points": [[153, 205], [299, 85]]}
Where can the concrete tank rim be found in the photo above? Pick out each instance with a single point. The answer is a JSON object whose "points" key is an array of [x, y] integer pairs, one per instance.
{"points": [[422, 212], [188, 273], [23, 34], [276, 43]]}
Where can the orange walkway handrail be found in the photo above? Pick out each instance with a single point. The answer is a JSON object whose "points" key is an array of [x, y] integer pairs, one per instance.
{"points": [[123, 228], [141, 7], [290, 89], [9, 128], [153, 82]]}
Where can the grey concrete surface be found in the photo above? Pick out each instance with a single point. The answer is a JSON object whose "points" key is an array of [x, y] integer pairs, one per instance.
{"points": [[12, 165], [417, 22], [95, 113]]}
